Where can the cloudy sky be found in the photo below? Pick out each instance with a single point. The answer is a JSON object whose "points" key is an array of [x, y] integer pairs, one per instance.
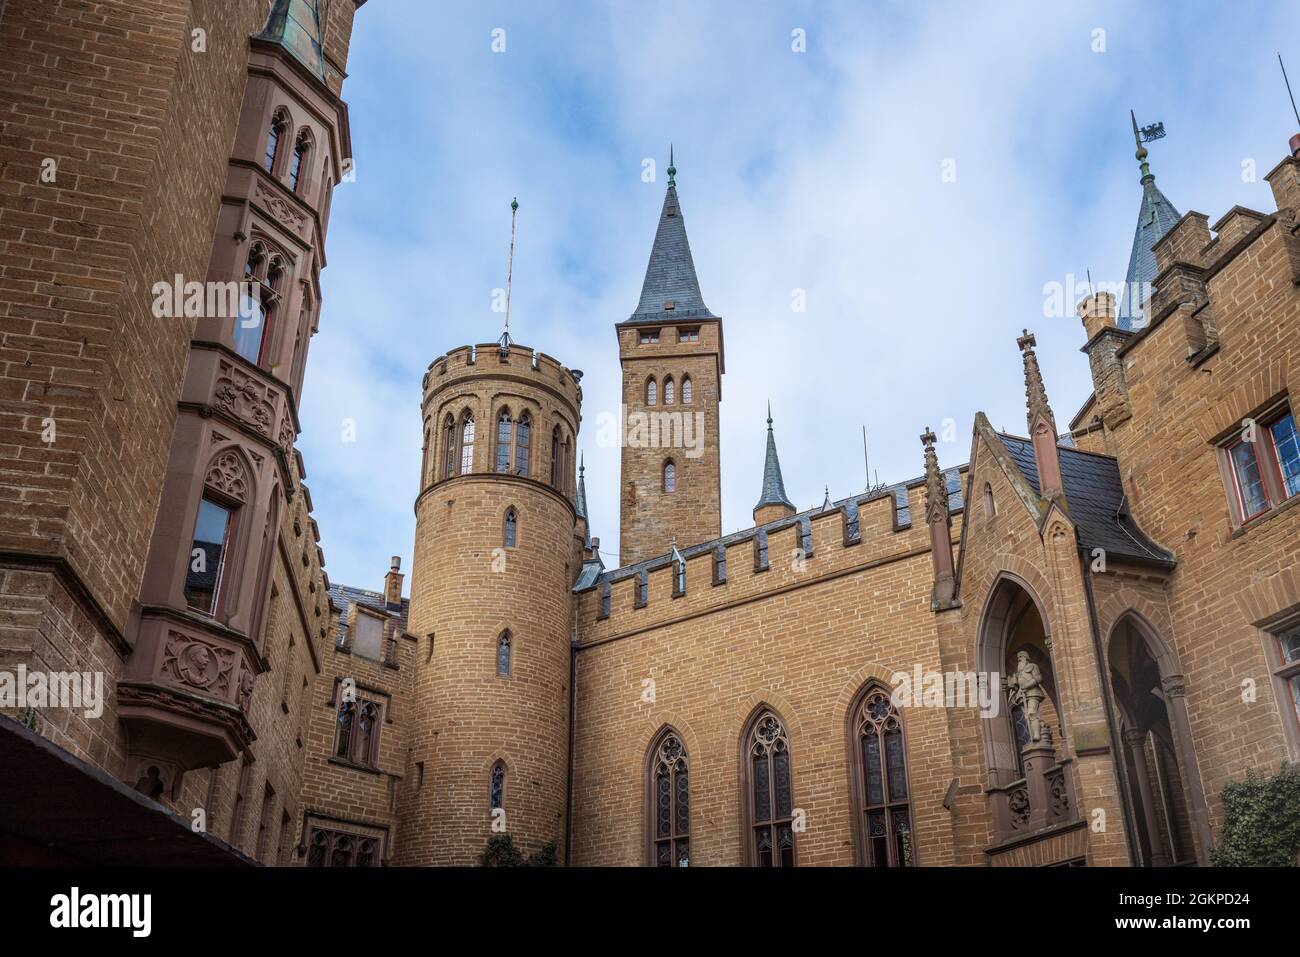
{"points": [[921, 171]]}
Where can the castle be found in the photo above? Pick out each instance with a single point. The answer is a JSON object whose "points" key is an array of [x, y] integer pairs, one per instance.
{"points": [[1057, 653]]}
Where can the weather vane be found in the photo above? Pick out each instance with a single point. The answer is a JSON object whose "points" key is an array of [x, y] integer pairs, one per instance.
{"points": [[1146, 134]]}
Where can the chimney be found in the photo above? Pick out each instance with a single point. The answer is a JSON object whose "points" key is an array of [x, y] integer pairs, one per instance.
{"points": [[593, 550], [1042, 424], [1102, 349], [393, 585], [939, 521]]}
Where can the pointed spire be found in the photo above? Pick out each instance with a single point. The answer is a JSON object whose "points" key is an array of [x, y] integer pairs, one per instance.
{"points": [[580, 504], [296, 27], [773, 485], [671, 289], [1156, 216], [826, 502], [939, 521], [1042, 424], [1035, 391]]}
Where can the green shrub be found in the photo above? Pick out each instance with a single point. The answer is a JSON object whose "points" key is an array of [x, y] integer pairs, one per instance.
{"points": [[501, 852], [1261, 825]]}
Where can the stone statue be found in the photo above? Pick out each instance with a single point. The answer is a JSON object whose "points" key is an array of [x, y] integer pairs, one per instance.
{"points": [[1025, 688]]}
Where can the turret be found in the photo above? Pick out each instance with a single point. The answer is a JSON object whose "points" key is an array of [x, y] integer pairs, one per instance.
{"points": [[490, 602]]}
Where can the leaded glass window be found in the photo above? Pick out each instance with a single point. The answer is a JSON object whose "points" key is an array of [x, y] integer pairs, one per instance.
{"points": [[505, 428], [467, 445], [510, 531], [503, 655], [670, 794], [523, 434], [497, 787], [669, 394], [882, 776], [771, 809], [651, 392], [670, 476], [686, 390]]}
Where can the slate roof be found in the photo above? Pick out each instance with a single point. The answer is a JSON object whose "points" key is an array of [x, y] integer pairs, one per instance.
{"points": [[1095, 496], [773, 484], [1156, 216], [670, 273], [343, 595]]}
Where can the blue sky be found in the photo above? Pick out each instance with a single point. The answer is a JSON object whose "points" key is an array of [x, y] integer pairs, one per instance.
{"points": [[819, 170]]}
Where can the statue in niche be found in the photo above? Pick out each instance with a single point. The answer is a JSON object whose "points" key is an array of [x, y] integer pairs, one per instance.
{"points": [[1025, 689]]}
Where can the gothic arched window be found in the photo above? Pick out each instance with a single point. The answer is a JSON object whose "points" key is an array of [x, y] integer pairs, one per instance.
{"points": [[448, 447], [651, 392], [670, 801], [510, 530], [670, 476], [497, 787], [557, 458], [523, 434], [669, 395], [505, 429], [301, 150], [467, 445], [768, 792], [263, 277], [503, 655], [885, 826], [686, 390], [273, 135]]}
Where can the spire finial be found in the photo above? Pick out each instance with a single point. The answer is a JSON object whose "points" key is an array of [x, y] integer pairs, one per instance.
{"points": [[936, 490], [582, 464], [1035, 390], [769, 415], [1145, 135], [672, 169]]}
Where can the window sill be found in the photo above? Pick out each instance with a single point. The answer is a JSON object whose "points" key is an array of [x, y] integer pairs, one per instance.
{"points": [[1254, 523], [364, 768]]}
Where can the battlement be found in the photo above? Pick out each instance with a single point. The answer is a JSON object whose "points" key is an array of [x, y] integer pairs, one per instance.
{"points": [[748, 564], [488, 360]]}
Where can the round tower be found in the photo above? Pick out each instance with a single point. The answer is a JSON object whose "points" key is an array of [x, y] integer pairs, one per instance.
{"points": [[497, 548]]}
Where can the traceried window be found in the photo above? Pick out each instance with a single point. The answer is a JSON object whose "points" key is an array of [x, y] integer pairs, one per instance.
{"points": [[885, 826], [523, 435], [467, 445], [670, 476], [768, 791], [503, 655], [670, 394], [208, 556], [505, 429], [264, 272], [670, 793], [1264, 462], [326, 848], [356, 735], [686, 390], [510, 528], [651, 392], [497, 787]]}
